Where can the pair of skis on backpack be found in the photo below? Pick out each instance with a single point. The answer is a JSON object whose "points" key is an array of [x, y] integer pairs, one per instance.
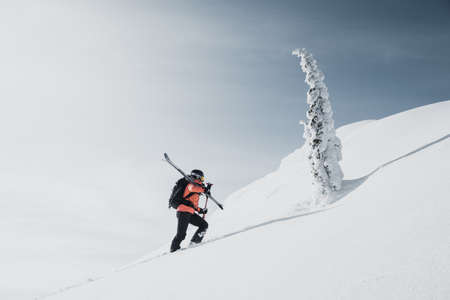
{"points": [[189, 179]]}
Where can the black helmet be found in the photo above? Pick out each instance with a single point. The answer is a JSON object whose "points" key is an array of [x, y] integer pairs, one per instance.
{"points": [[198, 174]]}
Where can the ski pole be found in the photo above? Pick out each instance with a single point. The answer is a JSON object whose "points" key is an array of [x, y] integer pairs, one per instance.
{"points": [[206, 205]]}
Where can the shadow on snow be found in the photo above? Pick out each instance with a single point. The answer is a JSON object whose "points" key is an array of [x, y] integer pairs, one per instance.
{"points": [[349, 186]]}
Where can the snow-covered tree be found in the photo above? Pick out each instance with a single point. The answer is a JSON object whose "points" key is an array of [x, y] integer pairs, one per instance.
{"points": [[324, 147]]}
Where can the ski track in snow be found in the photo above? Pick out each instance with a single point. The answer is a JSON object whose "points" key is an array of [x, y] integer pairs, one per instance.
{"points": [[347, 187], [156, 256]]}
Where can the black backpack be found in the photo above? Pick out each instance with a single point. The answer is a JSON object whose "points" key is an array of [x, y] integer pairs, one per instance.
{"points": [[176, 198]]}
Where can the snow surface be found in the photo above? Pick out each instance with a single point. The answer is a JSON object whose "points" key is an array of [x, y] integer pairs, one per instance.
{"points": [[387, 236]]}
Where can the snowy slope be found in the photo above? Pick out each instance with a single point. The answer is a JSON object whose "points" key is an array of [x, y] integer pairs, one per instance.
{"points": [[387, 236], [64, 227]]}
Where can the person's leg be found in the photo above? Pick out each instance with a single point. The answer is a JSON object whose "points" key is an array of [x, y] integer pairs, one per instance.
{"points": [[202, 225], [183, 222]]}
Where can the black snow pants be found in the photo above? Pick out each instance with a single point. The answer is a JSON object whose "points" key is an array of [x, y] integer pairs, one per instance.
{"points": [[184, 219]]}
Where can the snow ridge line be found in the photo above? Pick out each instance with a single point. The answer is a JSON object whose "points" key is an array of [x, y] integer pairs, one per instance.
{"points": [[304, 213]]}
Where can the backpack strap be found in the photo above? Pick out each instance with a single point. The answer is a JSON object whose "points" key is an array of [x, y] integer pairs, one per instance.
{"points": [[189, 195], [186, 201]]}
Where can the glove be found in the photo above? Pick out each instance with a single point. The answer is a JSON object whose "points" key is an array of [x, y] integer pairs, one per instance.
{"points": [[203, 211], [208, 188]]}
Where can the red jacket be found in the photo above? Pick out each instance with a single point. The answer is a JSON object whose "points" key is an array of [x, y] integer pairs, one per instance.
{"points": [[191, 188]]}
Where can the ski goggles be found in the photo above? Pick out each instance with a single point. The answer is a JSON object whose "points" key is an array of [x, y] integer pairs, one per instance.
{"points": [[202, 178]]}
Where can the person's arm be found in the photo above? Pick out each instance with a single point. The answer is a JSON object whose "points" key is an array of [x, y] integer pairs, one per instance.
{"points": [[194, 189], [187, 203]]}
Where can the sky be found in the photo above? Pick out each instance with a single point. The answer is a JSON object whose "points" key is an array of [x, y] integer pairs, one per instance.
{"points": [[93, 93]]}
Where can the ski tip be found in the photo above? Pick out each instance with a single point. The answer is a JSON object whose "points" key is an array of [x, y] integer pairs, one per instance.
{"points": [[165, 155]]}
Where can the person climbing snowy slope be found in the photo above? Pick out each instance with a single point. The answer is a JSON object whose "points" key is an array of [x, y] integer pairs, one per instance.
{"points": [[188, 210]]}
